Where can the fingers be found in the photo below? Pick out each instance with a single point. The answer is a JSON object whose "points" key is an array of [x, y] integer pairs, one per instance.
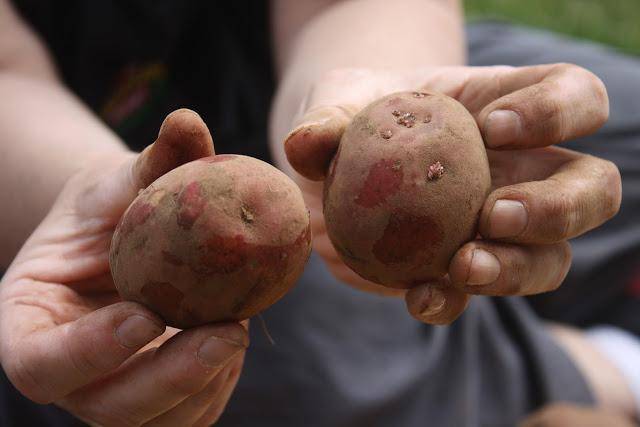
{"points": [[436, 303], [579, 196], [543, 105], [48, 365], [193, 408], [183, 137], [499, 269], [515, 108], [156, 381], [213, 413]]}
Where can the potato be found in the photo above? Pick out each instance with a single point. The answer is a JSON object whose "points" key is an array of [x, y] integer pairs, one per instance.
{"points": [[217, 239], [405, 188]]}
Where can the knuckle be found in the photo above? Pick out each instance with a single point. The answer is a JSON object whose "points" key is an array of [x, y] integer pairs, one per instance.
{"points": [[514, 274], [541, 111], [512, 281], [558, 217], [565, 255], [602, 99], [548, 112], [494, 83], [613, 188], [568, 68], [600, 107], [177, 381], [86, 363]]}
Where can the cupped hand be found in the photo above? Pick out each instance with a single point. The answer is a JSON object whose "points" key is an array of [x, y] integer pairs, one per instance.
{"points": [[542, 195], [66, 337]]}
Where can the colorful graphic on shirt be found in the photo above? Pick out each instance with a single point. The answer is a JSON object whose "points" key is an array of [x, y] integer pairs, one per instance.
{"points": [[137, 89]]}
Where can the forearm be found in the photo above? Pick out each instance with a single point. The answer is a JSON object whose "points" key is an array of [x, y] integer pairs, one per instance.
{"points": [[360, 33], [46, 134], [607, 383]]}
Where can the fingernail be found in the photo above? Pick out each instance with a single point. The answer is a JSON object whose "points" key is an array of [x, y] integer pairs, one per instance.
{"points": [[434, 302], [137, 330], [304, 127], [508, 218], [502, 127], [484, 269], [216, 351], [307, 128]]}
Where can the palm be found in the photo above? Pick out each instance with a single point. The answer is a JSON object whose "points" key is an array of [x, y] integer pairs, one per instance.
{"points": [[65, 262]]}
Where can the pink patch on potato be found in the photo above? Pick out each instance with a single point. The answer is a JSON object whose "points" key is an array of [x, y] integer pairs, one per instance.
{"points": [[191, 205], [138, 214], [273, 264], [407, 238], [384, 179], [223, 255]]}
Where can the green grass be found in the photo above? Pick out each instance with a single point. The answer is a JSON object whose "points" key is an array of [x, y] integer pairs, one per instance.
{"points": [[613, 22]]}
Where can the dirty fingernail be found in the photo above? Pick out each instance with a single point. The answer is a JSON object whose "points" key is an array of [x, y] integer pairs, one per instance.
{"points": [[136, 331], [484, 269], [215, 351], [434, 301], [502, 127], [508, 218]]}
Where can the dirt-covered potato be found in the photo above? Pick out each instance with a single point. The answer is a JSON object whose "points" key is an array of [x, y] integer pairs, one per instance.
{"points": [[405, 188], [217, 239]]}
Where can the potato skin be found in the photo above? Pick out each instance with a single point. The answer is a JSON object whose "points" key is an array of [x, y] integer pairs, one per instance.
{"points": [[217, 239], [405, 188]]}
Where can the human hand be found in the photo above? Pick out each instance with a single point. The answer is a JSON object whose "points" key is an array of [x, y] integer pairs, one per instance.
{"points": [[65, 336], [566, 414], [541, 196]]}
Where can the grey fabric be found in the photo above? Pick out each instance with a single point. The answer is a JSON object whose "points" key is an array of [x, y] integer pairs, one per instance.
{"points": [[346, 358]]}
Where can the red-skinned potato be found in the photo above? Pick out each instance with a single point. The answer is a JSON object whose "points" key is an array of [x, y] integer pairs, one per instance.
{"points": [[405, 188], [217, 239]]}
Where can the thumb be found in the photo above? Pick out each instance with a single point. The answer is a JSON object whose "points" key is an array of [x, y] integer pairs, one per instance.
{"points": [[183, 137], [46, 365], [313, 143]]}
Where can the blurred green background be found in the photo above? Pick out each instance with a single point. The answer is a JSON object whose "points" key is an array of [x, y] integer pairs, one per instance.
{"points": [[613, 22]]}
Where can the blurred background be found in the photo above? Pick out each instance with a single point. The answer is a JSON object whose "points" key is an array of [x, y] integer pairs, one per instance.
{"points": [[613, 22]]}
